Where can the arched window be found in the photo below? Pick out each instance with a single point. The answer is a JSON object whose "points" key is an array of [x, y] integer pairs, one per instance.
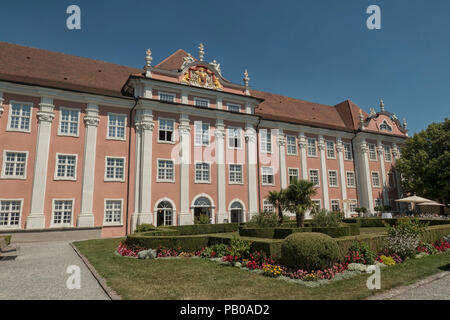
{"points": [[202, 205], [164, 214], [384, 126], [237, 212]]}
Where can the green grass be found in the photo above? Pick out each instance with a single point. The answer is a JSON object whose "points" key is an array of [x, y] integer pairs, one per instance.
{"points": [[207, 280]]}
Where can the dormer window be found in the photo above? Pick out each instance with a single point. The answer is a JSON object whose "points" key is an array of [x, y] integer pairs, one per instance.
{"points": [[168, 97], [385, 127], [204, 103]]}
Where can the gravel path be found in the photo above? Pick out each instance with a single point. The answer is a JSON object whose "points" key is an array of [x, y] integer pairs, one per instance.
{"points": [[38, 271], [436, 287]]}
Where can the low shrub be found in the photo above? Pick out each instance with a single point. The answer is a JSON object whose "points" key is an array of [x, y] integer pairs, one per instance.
{"points": [[334, 232], [324, 218], [404, 237], [194, 229], [359, 252], [239, 247], [309, 251], [202, 219], [264, 220], [144, 227]]}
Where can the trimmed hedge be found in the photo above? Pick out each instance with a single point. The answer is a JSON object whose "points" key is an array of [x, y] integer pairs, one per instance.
{"points": [[7, 238], [186, 243], [378, 222], [281, 233], [205, 228], [160, 232]]}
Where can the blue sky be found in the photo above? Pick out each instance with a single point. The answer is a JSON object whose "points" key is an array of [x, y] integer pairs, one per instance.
{"points": [[318, 51]]}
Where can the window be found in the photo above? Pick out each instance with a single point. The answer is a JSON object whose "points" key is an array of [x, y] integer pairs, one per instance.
{"points": [[165, 171], [164, 214], [351, 182], [235, 173], [332, 178], [348, 155], [314, 177], [202, 172], [62, 212], [372, 152], [68, 124], [116, 126], [167, 97], [375, 179], [335, 205], [204, 103], [293, 175], [378, 202], [267, 176], [385, 127], [387, 153], [10, 213], [316, 205], [20, 117], [14, 165], [65, 167], [113, 212], [291, 145], [201, 133], [234, 138], [165, 130], [266, 141], [267, 206], [312, 151], [352, 205], [114, 169], [234, 107], [330, 150]]}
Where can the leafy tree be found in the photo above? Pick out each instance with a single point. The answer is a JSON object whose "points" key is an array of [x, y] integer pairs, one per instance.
{"points": [[298, 199], [276, 199], [425, 162]]}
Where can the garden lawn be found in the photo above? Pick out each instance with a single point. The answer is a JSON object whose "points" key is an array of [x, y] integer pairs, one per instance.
{"points": [[202, 279]]}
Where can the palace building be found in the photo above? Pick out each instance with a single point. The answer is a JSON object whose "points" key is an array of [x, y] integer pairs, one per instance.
{"points": [[90, 144]]}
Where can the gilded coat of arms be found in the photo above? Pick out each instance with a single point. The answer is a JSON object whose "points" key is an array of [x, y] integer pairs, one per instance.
{"points": [[201, 77]]}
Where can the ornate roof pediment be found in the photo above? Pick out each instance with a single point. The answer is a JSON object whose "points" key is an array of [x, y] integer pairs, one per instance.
{"points": [[201, 74]]}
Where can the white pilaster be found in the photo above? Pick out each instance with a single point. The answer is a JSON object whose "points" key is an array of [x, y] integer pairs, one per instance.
{"points": [[340, 151], [380, 151], [302, 146], [185, 139], [221, 180], [36, 219], [324, 173], [220, 103], [250, 139], [91, 121], [364, 177], [137, 175], [282, 152], [396, 154]]}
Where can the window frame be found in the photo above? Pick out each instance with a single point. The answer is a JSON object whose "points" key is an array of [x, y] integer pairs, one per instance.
{"points": [[8, 126], [13, 227], [354, 179], [14, 177], [62, 225], [106, 179], [197, 99], [113, 223], [158, 179], [173, 130], [266, 203], [171, 94], [209, 172], [318, 177], [291, 145], [68, 134], [289, 175], [320, 203], [233, 105], [337, 179], [108, 137], [350, 151], [308, 139], [65, 178], [262, 176], [390, 153], [374, 151], [334, 149], [352, 201], [202, 144], [267, 142], [229, 173], [379, 182], [239, 139], [338, 203]]}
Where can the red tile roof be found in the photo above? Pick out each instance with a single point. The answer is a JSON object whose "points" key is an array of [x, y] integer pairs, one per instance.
{"points": [[58, 70]]}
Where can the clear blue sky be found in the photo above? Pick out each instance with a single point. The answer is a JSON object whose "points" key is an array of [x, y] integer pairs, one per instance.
{"points": [[318, 51]]}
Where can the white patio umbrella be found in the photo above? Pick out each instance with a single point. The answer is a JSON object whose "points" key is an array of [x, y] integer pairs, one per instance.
{"points": [[414, 200], [431, 203]]}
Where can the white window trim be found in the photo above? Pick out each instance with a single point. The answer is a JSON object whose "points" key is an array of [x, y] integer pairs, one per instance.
{"points": [[124, 168], [298, 173], [337, 179], [346, 179], [201, 100], [20, 215], [334, 149], [307, 147], [124, 129], [287, 145], [242, 173], [351, 151], [3, 176], [157, 170], [371, 178], [233, 105], [384, 152], [209, 134], [8, 127], [355, 202], [115, 224], [268, 204], [375, 146], [320, 203], [173, 132], [228, 138], [273, 176], [169, 94], [62, 225], [55, 176], [260, 139], [195, 173], [339, 203], [78, 123], [318, 176]]}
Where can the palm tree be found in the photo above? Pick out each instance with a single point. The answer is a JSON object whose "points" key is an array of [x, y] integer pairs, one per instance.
{"points": [[298, 199], [276, 199]]}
